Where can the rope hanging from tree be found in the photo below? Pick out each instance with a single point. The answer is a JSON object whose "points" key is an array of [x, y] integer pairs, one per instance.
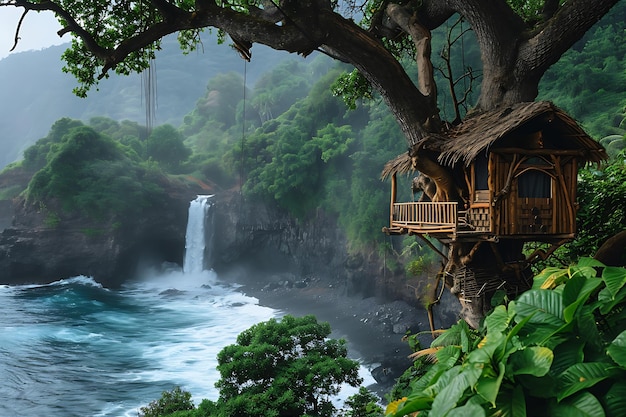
{"points": [[149, 87], [243, 125]]}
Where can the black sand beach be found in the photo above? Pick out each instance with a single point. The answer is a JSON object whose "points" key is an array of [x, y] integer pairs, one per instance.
{"points": [[373, 328]]}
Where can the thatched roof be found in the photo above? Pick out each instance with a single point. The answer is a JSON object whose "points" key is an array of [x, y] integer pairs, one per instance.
{"points": [[401, 164], [479, 132]]}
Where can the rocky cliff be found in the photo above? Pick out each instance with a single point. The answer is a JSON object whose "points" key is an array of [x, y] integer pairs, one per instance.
{"points": [[251, 239], [260, 239], [43, 244]]}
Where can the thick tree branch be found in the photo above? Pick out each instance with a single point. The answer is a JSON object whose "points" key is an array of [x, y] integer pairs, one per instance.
{"points": [[549, 9], [422, 40], [167, 9], [382, 70], [559, 33], [72, 25]]}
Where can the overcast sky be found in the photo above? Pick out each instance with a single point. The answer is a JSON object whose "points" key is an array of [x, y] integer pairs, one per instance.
{"points": [[39, 30]]}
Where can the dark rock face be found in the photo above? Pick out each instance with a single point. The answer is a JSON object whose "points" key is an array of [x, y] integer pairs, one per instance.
{"points": [[252, 235], [6, 214], [45, 255], [33, 250], [249, 236]]}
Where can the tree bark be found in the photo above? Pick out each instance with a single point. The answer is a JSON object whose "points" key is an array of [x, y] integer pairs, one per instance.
{"points": [[613, 250]]}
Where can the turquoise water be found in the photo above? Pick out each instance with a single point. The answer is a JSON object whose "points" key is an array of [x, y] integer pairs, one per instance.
{"points": [[73, 348]]}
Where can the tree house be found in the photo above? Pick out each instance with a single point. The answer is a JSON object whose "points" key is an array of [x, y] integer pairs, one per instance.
{"points": [[518, 169]]}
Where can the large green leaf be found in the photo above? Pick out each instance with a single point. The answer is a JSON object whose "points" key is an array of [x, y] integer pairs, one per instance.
{"points": [[488, 386], [576, 292], [566, 355], [545, 306], [413, 404], [452, 336], [432, 375], [511, 402], [585, 270], [497, 320], [466, 410], [540, 387], [617, 349], [493, 344], [614, 278], [534, 360], [615, 400], [581, 405], [587, 329], [608, 301], [583, 375], [520, 324], [586, 261], [539, 334], [442, 382], [613, 323], [448, 356], [449, 396], [549, 278]]}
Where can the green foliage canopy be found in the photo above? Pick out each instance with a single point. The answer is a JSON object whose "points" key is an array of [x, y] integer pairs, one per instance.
{"points": [[165, 145], [90, 173], [588, 80], [602, 201], [283, 367], [557, 350], [170, 402]]}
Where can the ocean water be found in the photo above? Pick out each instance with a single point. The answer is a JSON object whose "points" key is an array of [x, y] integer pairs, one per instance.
{"points": [[74, 348]]}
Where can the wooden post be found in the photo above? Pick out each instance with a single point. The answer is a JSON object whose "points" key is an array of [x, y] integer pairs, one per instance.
{"points": [[394, 192]]}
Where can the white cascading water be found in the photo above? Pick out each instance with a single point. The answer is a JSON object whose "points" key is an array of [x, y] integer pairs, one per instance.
{"points": [[196, 243]]}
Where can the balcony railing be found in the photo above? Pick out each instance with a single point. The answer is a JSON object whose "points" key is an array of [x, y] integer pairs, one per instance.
{"points": [[425, 217]]}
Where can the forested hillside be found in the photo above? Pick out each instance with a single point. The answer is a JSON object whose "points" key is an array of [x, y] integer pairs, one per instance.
{"points": [[36, 92], [588, 81]]}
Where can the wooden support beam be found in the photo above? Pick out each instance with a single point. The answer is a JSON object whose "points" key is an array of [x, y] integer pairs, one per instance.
{"points": [[433, 247]]}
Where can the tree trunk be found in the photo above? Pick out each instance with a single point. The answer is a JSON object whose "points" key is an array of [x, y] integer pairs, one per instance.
{"points": [[613, 250]]}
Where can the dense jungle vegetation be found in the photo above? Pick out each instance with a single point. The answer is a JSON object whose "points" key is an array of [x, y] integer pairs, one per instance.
{"points": [[290, 139]]}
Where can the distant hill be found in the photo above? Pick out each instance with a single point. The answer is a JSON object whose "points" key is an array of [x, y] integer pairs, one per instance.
{"points": [[35, 92]]}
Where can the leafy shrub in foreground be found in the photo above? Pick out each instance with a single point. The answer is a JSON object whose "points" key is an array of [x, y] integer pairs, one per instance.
{"points": [[559, 349], [286, 367], [170, 401]]}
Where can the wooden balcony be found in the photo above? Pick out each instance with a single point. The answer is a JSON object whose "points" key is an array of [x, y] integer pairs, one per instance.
{"points": [[423, 218]]}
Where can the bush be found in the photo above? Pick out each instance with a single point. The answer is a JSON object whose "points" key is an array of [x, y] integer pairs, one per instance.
{"points": [[89, 173], [283, 368], [602, 201], [559, 349], [165, 145], [170, 402], [362, 404]]}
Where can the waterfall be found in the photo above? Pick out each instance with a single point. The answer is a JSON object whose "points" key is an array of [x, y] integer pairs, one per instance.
{"points": [[199, 235]]}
